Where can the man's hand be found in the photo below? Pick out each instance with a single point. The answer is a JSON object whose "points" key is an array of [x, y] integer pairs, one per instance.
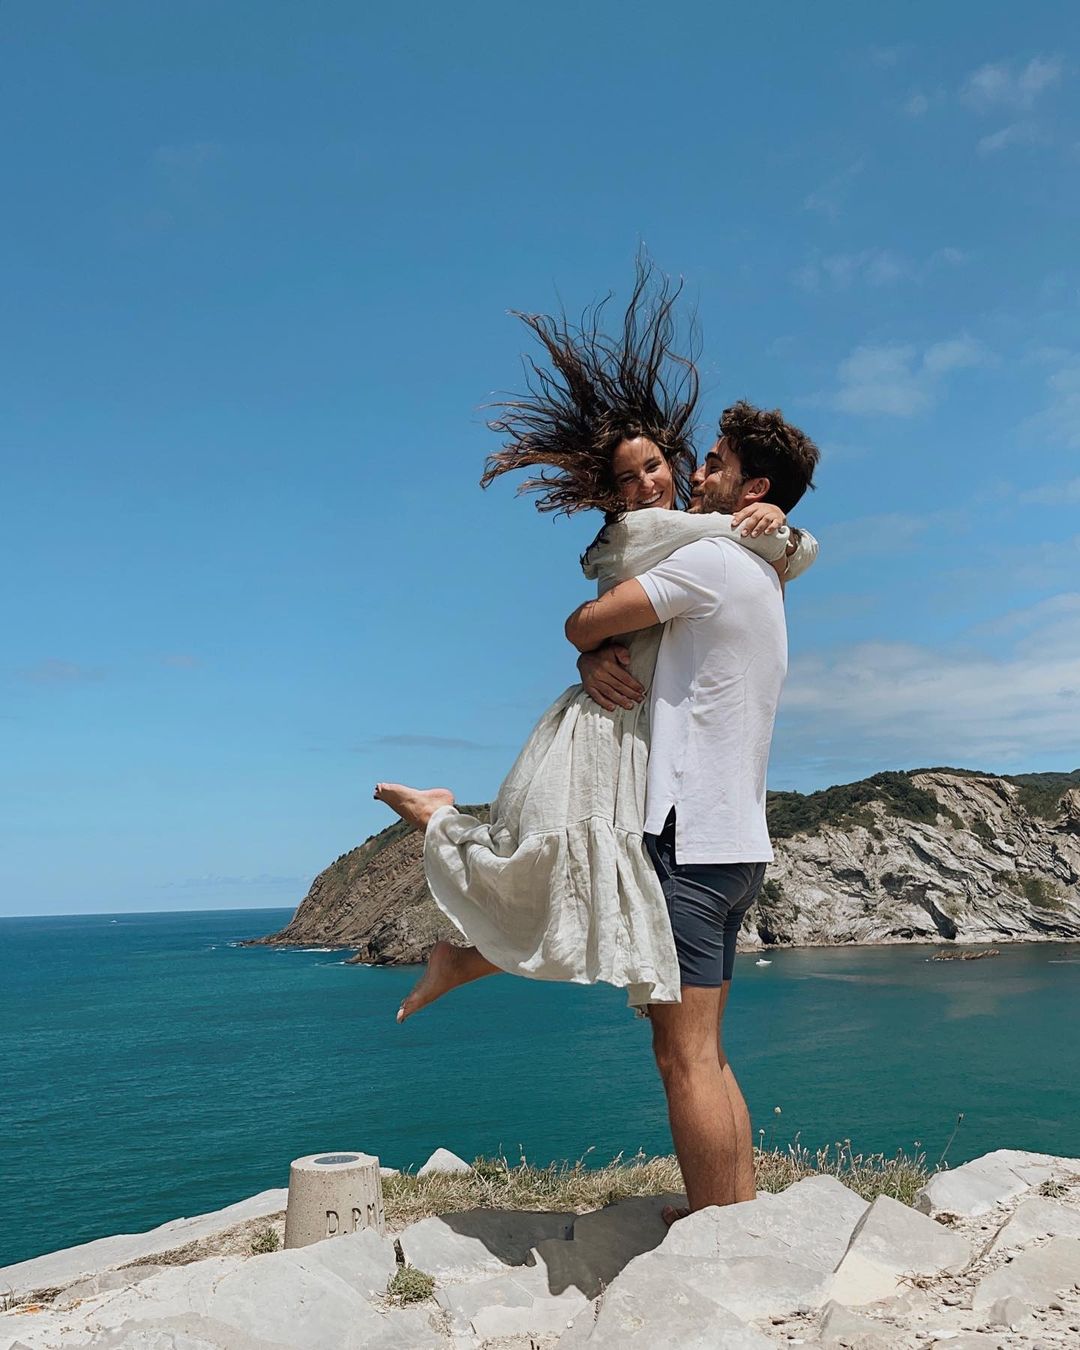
{"points": [[760, 518], [607, 680]]}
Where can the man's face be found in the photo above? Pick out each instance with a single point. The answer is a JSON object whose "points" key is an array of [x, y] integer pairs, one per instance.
{"points": [[719, 484]]}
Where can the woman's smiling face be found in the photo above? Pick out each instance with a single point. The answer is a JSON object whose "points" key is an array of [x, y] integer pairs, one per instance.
{"points": [[642, 475]]}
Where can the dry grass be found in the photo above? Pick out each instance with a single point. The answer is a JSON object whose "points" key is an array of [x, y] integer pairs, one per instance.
{"points": [[264, 1240], [497, 1184], [410, 1285], [868, 1174]]}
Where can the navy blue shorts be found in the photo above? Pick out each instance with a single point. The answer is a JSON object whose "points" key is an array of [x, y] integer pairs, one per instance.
{"points": [[707, 903]]}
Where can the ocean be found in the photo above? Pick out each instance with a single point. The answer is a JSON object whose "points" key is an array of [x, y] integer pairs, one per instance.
{"points": [[151, 1068]]}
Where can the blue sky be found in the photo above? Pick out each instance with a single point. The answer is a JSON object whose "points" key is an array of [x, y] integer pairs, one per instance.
{"points": [[257, 261]]}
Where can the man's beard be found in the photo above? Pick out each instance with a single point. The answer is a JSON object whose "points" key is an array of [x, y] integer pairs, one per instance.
{"points": [[724, 500]]}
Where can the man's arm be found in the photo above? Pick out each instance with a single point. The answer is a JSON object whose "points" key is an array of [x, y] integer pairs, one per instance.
{"points": [[624, 609]]}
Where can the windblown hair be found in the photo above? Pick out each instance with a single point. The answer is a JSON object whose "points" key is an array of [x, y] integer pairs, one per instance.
{"points": [[768, 447], [599, 392]]}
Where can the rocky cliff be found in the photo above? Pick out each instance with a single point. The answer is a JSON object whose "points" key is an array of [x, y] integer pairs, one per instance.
{"points": [[917, 857]]}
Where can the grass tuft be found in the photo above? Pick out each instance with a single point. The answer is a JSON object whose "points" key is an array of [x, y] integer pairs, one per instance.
{"points": [[264, 1240], [495, 1183], [867, 1174], [410, 1285], [1053, 1188]]}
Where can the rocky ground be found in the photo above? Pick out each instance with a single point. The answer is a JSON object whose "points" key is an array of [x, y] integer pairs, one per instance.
{"points": [[989, 1256], [976, 860]]}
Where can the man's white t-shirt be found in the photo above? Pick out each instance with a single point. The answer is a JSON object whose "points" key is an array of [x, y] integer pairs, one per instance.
{"points": [[719, 673]]}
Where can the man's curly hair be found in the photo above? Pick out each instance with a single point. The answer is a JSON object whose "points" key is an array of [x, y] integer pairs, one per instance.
{"points": [[768, 447], [599, 392]]}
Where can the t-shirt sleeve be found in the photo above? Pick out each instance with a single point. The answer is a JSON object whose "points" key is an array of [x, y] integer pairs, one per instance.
{"points": [[690, 583]]}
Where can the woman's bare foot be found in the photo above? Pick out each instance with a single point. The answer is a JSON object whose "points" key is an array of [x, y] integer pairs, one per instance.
{"points": [[414, 805], [447, 968], [673, 1213]]}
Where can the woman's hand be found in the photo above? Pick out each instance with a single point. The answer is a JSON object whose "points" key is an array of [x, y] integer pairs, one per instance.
{"points": [[760, 518]]}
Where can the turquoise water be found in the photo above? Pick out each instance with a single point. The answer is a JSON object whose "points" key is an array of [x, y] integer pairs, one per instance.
{"points": [[149, 1069]]}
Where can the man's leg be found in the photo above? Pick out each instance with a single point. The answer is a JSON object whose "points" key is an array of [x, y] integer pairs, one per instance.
{"points": [[703, 1125], [745, 1184]]}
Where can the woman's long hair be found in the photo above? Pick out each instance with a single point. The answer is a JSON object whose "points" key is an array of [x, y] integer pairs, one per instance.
{"points": [[599, 392]]}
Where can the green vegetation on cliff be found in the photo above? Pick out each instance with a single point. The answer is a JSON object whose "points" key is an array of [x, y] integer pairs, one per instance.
{"points": [[800, 813], [1041, 793], [793, 813]]}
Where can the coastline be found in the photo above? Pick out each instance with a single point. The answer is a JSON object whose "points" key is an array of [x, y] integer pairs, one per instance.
{"points": [[744, 949]]}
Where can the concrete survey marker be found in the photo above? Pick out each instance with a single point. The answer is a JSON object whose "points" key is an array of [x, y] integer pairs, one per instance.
{"points": [[331, 1194]]}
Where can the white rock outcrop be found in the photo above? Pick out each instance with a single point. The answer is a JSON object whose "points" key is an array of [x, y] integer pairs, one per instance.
{"points": [[890, 1244], [810, 1223], [1036, 1277], [814, 1265], [1037, 1218], [92, 1258], [442, 1160], [979, 1186]]}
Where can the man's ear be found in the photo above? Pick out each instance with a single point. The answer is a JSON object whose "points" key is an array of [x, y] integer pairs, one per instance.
{"points": [[755, 490]]}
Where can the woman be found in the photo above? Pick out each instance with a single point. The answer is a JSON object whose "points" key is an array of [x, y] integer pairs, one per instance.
{"points": [[558, 885]]}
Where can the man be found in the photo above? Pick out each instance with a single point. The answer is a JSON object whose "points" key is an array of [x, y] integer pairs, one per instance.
{"points": [[713, 704]]}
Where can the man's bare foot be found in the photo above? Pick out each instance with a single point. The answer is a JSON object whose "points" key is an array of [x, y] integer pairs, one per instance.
{"points": [[447, 968], [414, 805], [673, 1213]]}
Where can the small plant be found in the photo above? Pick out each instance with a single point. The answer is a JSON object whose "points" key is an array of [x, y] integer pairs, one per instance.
{"points": [[981, 830], [410, 1285], [1053, 1189], [941, 1163], [265, 1240]]}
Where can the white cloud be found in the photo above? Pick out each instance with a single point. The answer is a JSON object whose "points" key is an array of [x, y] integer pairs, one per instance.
{"points": [[871, 536], [1017, 133], [1052, 494], [1007, 85], [919, 101], [870, 267], [955, 354], [1059, 421], [828, 200], [887, 57], [951, 257], [55, 671], [896, 380], [978, 703], [881, 380]]}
